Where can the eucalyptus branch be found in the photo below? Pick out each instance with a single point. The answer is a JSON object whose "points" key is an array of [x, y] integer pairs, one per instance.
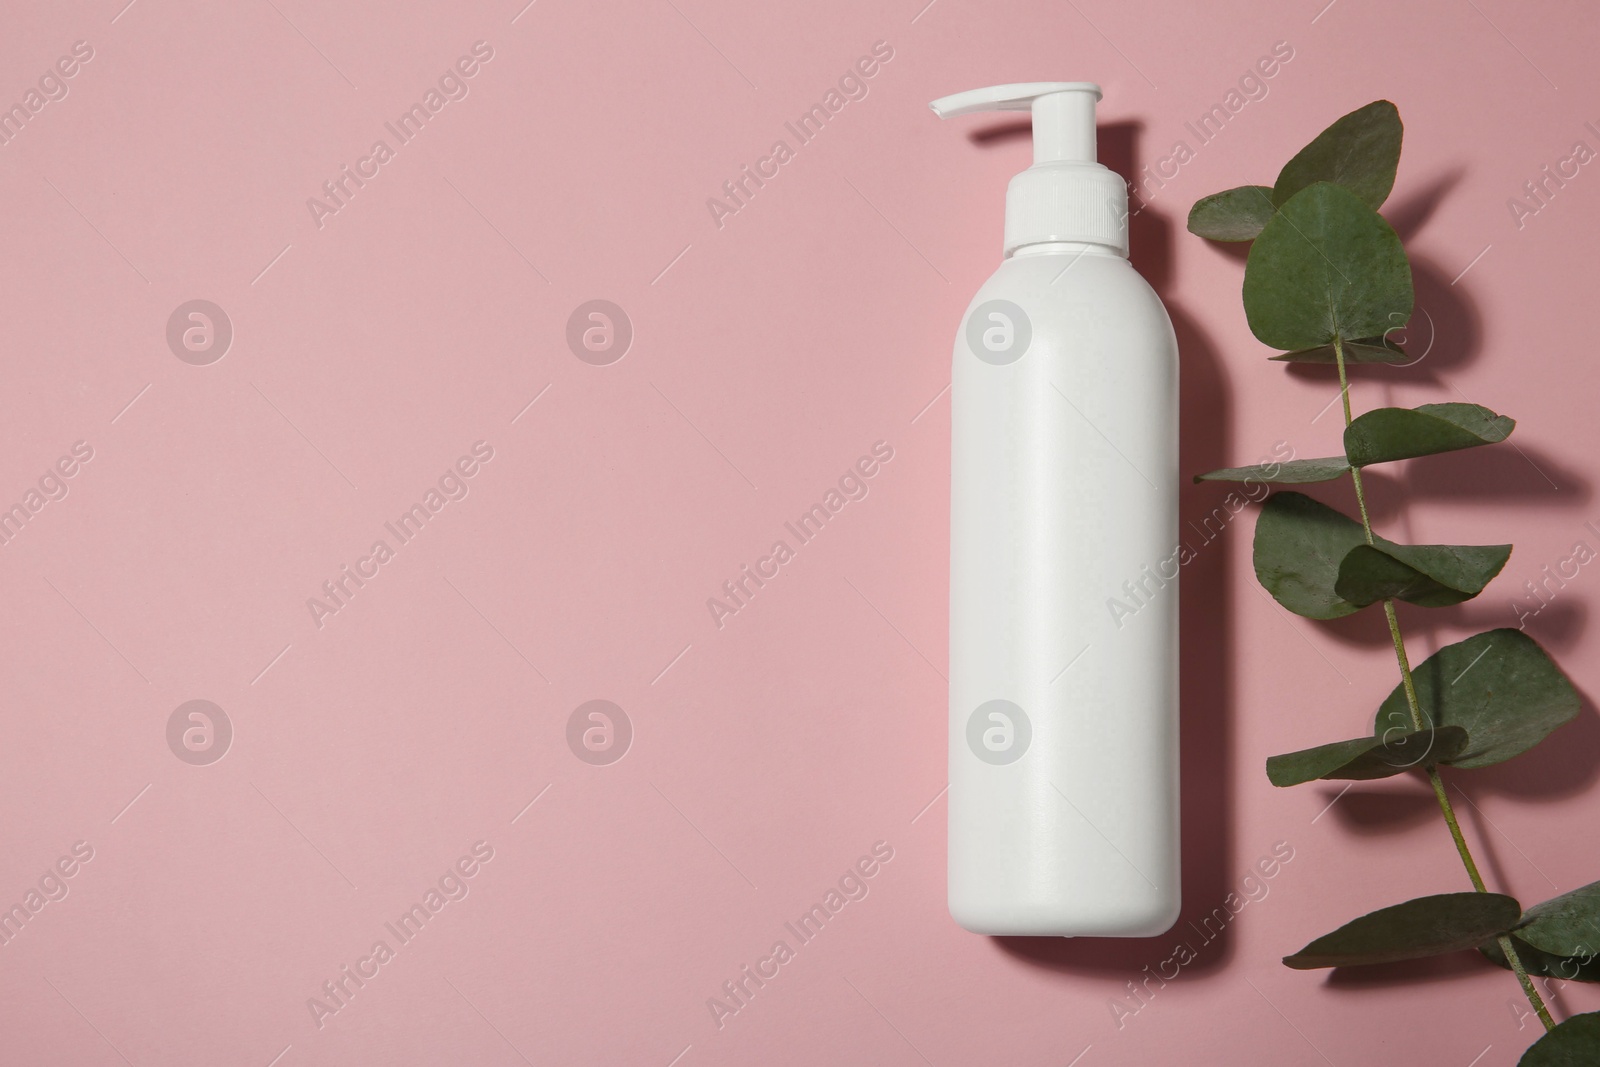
{"points": [[1418, 724], [1325, 279]]}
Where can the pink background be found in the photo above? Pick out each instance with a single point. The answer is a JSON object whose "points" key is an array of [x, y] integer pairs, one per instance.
{"points": [[370, 753]]}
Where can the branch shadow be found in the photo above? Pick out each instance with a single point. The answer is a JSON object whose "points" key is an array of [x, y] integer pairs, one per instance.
{"points": [[1412, 213], [1371, 811], [1565, 766], [1454, 966]]}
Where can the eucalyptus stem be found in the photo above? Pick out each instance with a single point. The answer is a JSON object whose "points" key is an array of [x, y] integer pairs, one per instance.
{"points": [[1355, 472], [1418, 723]]}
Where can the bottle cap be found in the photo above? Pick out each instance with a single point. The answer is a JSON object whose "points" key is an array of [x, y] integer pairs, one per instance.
{"points": [[1066, 195]]}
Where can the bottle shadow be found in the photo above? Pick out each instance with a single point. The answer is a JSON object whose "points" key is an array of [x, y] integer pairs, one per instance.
{"points": [[1205, 644]]}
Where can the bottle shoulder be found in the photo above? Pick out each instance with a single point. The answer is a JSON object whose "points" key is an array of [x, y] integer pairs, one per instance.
{"points": [[1065, 273], [1067, 288]]}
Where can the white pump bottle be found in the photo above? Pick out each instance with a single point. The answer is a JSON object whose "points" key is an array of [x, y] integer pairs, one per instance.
{"points": [[1063, 557]]}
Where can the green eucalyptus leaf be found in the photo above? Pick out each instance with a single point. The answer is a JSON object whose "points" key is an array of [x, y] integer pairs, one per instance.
{"points": [[1537, 962], [1366, 350], [1568, 925], [1499, 686], [1367, 758], [1232, 215], [1386, 434], [1430, 576], [1426, 926], [1299, 545], [1315, 561], [1292, 472], [1325, 266], [1360, 151], [1574, 1043]]}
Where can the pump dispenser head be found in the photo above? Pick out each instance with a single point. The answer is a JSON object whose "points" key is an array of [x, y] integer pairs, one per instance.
{"points": [[1066, 195]]}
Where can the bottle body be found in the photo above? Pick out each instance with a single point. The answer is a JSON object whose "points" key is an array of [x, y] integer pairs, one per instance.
{"points": [[1063, 803]]}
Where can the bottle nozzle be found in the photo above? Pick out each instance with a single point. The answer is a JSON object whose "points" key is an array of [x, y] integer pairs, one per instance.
{"points": [[1063, 114], [1066, 195]]}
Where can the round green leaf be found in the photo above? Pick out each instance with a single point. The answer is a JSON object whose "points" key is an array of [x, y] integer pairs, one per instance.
{"points": [[1568, 925], [1430, 576], [1299, 545], [1499, 686], [1316, 562], [1361, 152], [1386, 434], [1574, 1043], [1326, 265], [1427, 926], [1232, 215], [1365, 759], [1292, 472]]}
